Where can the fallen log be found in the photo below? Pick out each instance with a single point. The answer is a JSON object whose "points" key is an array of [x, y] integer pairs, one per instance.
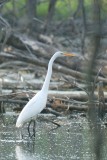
{"points": [[42, 63], [75, 95], [36, 48]]}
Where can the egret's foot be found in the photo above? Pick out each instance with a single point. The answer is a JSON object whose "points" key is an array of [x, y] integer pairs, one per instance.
{"points": [[57, 124]]}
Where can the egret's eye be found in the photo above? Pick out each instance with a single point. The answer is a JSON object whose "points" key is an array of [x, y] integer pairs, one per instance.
{"points": [[62, 54]]}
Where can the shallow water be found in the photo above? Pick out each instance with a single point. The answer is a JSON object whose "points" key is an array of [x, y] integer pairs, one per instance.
{"points": [[72, 141]]}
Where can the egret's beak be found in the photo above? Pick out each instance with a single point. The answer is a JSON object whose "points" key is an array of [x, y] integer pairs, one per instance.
{"points": [[70, 54]]}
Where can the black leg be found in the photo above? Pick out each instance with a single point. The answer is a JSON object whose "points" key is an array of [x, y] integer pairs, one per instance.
{"points": [[34, 126], [58, 125], [29, 128], [2, 110], [55, 123], [21, 134]]}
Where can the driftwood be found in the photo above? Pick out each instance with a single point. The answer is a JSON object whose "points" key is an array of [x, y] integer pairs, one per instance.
{"points": [[34, 54], [26, 85], [79, 95], [54, 105], [43, 63], [58, 103], [66, 96], [38, 54]]}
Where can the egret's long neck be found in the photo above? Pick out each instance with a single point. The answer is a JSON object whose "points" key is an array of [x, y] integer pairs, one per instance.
{"points": [[49, 73]]}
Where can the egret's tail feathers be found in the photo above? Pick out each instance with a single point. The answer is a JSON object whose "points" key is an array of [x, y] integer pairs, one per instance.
{"points": [[19, 123]]}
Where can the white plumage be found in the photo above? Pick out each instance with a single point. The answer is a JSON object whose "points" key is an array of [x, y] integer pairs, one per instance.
{"points": [[38, 102], [32, 108]]}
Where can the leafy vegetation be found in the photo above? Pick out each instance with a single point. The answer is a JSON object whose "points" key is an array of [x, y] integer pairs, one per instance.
{"points": [[63, 9]]}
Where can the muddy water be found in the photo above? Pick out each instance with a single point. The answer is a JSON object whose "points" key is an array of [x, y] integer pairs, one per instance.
{"points": [[71, 141]]}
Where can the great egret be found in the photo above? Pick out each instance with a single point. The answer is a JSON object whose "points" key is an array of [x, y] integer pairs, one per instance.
{"points": [[38, 102]]}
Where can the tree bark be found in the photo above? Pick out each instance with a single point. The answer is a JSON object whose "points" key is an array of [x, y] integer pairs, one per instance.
{"points": [[31, 11], [50, 14]]}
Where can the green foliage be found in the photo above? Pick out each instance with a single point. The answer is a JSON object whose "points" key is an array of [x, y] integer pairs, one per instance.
{"points": [[66, 8], [88, 2], [18, 4], [63, 9], [104, 5], [16, 7], [42, 9]]}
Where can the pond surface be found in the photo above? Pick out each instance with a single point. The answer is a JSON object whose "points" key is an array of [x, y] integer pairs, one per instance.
{"points": [[72, 141]]}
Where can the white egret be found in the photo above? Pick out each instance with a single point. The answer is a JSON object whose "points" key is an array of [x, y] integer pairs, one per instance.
{"points": [[38, 102]]}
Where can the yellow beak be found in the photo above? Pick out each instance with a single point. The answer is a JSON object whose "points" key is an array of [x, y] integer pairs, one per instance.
{"points": [[69, 54]]}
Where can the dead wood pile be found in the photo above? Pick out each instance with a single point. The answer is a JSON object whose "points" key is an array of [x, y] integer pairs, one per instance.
{"points": [[23, 56]]}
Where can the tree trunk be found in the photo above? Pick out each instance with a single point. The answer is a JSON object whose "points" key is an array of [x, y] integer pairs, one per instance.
{"points": [[50, 14], [31, 11]]}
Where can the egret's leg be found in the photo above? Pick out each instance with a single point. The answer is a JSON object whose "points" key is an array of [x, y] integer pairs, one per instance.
{"points": [[21, 134], [29, 128], [58, 125], [34, 126], [2, 110]]}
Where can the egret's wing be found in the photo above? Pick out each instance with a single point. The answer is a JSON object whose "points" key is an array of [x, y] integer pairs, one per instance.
{"points": [[32, 108]]}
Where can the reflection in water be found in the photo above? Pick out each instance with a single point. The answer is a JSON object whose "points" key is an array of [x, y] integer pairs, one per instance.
{"points": [[22, 154], [63, 143], [71, 141]]}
